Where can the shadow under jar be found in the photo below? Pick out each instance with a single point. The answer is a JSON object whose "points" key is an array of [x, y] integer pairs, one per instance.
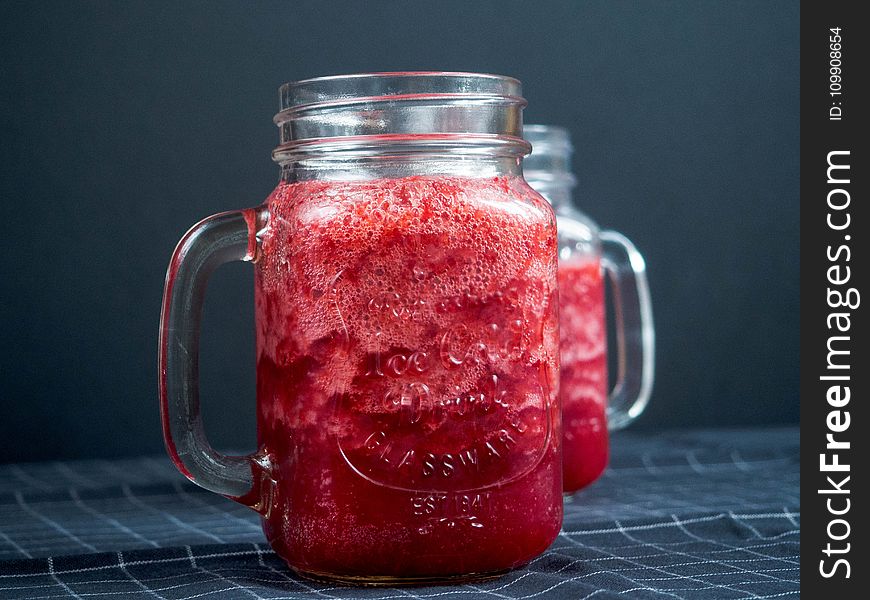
{"points": [[587, 256], [407, 339]]}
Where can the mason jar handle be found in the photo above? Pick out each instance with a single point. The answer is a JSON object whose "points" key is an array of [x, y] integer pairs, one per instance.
{"points": [[210, 243], [635, 335]]}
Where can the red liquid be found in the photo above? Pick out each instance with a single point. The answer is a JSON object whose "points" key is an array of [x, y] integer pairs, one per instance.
{"points": [[407, 376], [583, 380]]}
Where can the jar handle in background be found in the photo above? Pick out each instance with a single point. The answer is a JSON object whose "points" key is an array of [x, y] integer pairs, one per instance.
{"points": [[635, 335], [210, 243]]}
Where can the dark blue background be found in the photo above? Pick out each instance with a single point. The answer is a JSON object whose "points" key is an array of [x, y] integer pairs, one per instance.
{"points": [[122, 124]]}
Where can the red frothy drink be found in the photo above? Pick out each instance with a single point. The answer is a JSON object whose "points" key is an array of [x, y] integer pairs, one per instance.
{"points": [[407, 374], [583, 381]]}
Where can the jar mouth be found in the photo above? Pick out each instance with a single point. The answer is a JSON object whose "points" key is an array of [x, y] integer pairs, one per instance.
{"points": [[549, 140], [336, 90], [414, 110], [550, 161]]}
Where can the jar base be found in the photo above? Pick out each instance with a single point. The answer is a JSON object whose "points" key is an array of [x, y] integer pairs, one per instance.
{"points": [[393, 581]]}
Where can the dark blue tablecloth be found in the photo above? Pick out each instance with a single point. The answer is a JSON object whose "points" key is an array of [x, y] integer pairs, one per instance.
{"points": [[692, 514]]}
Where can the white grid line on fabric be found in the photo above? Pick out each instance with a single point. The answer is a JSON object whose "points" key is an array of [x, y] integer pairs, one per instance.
{"points": [[674, 544], [711, 587], [26, 478], [664, 590], [579, 577], [560, 584], [719, 516], [122, 565], [262, 562], [526, 597], [583, 560], [289, 579], [646, 566], [740, 521], [54, 576], [701, 484], [698, 467], [171, 518], [717, 573], [695, 557], [235, 585], [228, 513], [158, 467], [556, 552], [790, 517], [71, 475], [260, 552], [739, 462], [570, 580], [689, 542], [136, 563], [214, 509], [699, 560], [109, 466], [667, 523], [135, 580], [154, 590], [110, 520], [658, 569], [15, 545], [621, 559], [108, 539], [682, 526], [53, 524]]}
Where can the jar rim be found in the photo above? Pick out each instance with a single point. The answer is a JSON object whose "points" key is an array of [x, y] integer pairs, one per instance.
{"points": [[549, 139], [405, 110], [549, 164], [357, 86], [377, 74]]}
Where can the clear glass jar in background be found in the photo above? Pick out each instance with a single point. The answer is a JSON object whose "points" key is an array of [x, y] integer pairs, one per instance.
{"points": [[586, 254], [407, 346]]}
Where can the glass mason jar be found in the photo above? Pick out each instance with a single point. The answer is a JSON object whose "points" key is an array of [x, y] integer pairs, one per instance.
{"points": [[586, 254], [407, 335]]}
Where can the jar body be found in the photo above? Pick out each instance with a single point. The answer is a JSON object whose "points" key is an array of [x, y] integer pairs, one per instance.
{"points": [[590, 408], [407, 376], [583, 348]]}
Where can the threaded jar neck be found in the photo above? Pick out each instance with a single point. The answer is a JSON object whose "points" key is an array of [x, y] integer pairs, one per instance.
{"points": [[404, 113], [548, 168]]}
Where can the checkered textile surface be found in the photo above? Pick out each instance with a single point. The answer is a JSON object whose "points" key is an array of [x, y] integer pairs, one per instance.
{"points": [[692, 514]]}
